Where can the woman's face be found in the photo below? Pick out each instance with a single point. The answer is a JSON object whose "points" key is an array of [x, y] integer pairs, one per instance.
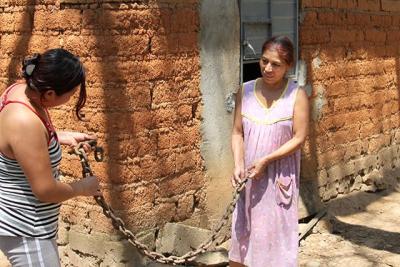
{"points": [[273, 67]]}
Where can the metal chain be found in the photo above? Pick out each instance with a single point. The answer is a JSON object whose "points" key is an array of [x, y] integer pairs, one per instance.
{"points": [[119, 224]]}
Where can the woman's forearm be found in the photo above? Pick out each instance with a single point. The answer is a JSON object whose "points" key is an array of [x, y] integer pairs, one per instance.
{"points": [[57, 191], [63, 137], [285, 150], [237, 148]]}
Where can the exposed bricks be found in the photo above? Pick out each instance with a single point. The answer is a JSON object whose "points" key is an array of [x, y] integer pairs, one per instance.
{"points": [[354, 5], [7, 22], [375, 36], [369, 5], [61, 20], [392, 37], [328, 18], [396, 21], [346, 4], [381, 20], [316, 36], [310, 18], [352, 54], [390, 5], [362, 19], [98, 46], [144, 101], [346, 36]]}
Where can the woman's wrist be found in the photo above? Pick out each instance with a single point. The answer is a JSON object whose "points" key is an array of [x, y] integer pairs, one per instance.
{"points": [[76, 188], [239, 165], [266, 160]]}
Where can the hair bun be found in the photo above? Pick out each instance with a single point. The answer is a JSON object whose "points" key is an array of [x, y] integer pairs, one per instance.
{"points": [[29, 64]]}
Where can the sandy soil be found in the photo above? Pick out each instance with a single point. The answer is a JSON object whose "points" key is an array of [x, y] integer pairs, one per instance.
{"points": [[360, 230]]}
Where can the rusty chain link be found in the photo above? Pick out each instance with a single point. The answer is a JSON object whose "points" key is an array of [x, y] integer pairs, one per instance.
{"points": [[119, 224]]}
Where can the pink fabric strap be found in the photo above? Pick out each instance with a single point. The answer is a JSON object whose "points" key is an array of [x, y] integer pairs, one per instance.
{"points": [[48, 125]]}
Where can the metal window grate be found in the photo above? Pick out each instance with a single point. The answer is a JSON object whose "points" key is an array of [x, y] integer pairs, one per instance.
{"points": [[261, 19]]}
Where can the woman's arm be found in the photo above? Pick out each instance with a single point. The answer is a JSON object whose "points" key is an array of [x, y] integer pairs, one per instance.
{"points": [[27, 139], [69, 138], [300, 131], [237, 141]]}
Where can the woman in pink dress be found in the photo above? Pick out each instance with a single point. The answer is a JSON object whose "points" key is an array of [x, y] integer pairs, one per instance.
{"points": [[270, 125]]}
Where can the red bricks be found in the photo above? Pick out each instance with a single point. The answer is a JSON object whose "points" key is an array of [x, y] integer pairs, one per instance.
{"points": [[375, 36], [7, 22], [351, 51], [362, 19], [184, 20], [306, 3], [381, 20], [23, 21], [341, 4], [392, 37], [310, 18], [329, 18], [184, 183], [346, 36], [390, 5], [396, 21], [369, 5], [63, 19], [346, 4], [143, 76], [314, 36]]}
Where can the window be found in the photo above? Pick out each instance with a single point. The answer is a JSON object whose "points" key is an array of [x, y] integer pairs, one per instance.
{"points": [[259, 20]]}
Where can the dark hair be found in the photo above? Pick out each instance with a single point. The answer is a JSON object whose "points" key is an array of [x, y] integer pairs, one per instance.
{"points": [[283, 46], [58, 70]]}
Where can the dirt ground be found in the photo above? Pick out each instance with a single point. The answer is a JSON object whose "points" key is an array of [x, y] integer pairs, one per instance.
{"points": [[359, 230]]}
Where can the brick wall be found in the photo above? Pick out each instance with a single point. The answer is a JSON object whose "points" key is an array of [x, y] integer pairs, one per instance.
{"points": [[352, 52], [144, 104]]}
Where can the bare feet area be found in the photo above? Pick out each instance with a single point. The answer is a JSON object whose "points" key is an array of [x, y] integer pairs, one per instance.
{"points": [[360, 230]]}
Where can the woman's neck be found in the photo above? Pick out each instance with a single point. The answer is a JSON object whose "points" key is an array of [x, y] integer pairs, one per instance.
{"points": [[274, 86], [34, 99]]}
